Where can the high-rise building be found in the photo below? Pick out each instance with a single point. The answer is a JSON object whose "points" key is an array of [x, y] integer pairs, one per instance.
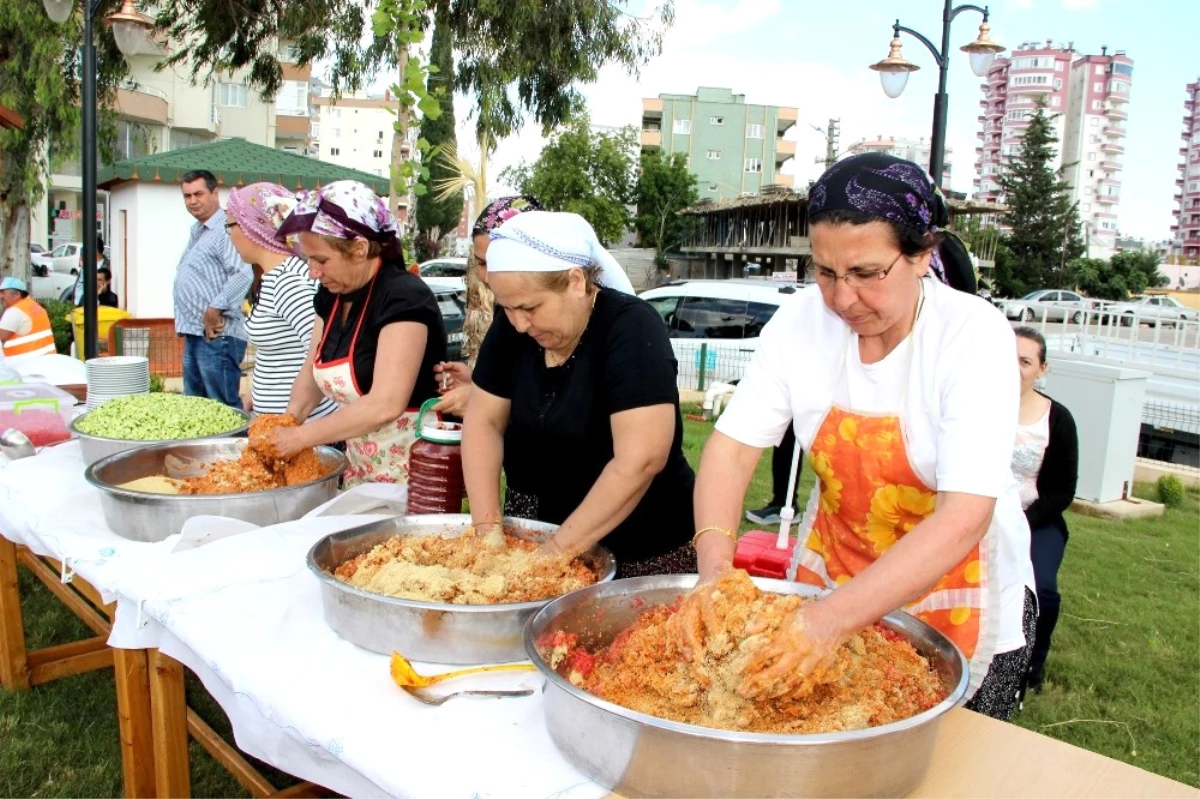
{"points": [[732, 148], [915, 150], [1187, 216], [357, 131], [293, 108], [1086, 97]]}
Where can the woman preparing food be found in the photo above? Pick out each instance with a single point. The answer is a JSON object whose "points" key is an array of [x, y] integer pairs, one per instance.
{"points": [[281, 324], [377, 335], [903, 391], [575, 400]]}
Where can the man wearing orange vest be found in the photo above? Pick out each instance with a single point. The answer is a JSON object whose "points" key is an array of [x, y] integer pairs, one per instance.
{"points": [[25, 331]]}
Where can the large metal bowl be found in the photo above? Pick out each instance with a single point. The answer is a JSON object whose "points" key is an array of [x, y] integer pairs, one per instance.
{"points": [[434, 632], [142, 516], [95, 448], [639, 755]]}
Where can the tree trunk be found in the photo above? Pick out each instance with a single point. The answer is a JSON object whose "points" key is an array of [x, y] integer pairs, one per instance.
{"points": [[399, 188], [14, 241]]}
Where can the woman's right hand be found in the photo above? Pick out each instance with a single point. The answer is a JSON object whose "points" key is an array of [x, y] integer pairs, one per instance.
{"points": [[696, 617], [452, 375]]}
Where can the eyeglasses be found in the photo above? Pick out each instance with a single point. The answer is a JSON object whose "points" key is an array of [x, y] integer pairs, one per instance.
{"points": [[855, 278], [231, 224]]}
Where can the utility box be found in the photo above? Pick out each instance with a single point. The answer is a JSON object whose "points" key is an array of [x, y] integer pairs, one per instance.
{"points": [[1106, 402]]}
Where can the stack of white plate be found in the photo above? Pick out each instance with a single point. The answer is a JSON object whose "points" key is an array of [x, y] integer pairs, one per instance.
{"points": [[116, 376]]}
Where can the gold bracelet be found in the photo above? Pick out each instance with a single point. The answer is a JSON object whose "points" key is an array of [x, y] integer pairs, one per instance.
{"points": [[722, 530]]}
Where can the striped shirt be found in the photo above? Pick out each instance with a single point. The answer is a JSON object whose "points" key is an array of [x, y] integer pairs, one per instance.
{"points": [[211, 275], [281, 327]]}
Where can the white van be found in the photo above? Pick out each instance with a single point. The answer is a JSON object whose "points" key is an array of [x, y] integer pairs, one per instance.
{"points": [[714, 324]]}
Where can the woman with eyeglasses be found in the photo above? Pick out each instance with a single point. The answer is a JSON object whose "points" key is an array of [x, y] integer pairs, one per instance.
{"points": [[902, 390]]}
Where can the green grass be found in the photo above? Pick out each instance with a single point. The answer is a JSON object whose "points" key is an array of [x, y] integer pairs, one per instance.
{"points": [[1123, 677]]}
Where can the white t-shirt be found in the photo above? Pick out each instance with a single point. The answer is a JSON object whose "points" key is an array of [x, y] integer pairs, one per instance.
{"points": [[959, 419], [1028, 454], [16, 321]]}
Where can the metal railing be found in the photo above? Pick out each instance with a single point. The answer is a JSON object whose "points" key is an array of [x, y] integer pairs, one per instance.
{"points": [[703, 363], [1127, 337]]}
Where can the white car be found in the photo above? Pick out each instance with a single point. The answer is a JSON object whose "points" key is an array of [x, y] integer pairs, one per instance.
{"points": [[445, 272], [63, 258], [714, 324], [1152, 311], [1048, 305], [52, 286]]}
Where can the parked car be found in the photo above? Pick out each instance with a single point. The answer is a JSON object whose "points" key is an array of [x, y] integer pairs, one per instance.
{"points": [[63, 258], [720, 318], [1049, 305], [47, 285], [1153, 311], [446, 272], [453, 305]]}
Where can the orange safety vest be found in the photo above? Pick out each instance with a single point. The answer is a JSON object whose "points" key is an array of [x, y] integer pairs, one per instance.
{"points": [[38, 341]]}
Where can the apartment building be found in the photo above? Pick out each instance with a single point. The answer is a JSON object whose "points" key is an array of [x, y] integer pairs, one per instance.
{"points": [[1186, 246], [293, 108], [357, 131], [915, 150], [733, 148], [1087, 98]]}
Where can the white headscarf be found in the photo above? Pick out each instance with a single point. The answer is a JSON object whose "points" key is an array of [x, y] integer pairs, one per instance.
{"points": [[550, 241]]}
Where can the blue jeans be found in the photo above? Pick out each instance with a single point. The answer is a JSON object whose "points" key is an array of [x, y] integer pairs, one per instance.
{"points": [[1047, 546], [213, 369]]}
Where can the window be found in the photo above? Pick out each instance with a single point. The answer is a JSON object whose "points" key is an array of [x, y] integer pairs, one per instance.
{"points": [[714, 155], [232, 95], [1091, 156], [758, 314], [682, 126], [1055, 102], [1095, 122], [711, 317], [716, 120], [666, 307], [337, 132], [289, 54], [444, 269], [1122, 69], [1087, 207], [337, 112], [753, 165], [754, 131], [378, 172], [1058, 83], [377, 153], [293, 99], [1099, 69], [380, 138], [335, 151], [1119, 86]]}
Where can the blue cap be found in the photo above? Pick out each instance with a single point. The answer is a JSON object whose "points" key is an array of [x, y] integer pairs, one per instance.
{"points": [[14, 283]]}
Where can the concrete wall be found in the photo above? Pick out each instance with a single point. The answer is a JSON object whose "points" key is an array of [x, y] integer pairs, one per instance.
{"points": [[150, 229]]}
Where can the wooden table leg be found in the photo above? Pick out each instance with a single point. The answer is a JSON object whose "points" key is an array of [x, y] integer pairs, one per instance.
{"points": [[172, 774], [135, 720], [14, 667]]}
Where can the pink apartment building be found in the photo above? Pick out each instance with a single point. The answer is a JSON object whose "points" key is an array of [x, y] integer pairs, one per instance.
{"points": [[1187, 216]]}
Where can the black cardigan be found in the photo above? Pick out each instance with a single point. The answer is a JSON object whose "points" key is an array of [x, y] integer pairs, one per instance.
{"points": [[1059, 473]]}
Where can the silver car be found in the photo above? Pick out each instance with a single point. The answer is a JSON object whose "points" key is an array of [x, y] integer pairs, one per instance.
{"points": [[1051, 305]]}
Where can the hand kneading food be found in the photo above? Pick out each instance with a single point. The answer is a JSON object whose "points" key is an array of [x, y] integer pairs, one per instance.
{"points": [[877, 677]]}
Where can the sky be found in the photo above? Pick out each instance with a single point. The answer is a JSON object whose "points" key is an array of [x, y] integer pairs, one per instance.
{"points": [[814, 56]]}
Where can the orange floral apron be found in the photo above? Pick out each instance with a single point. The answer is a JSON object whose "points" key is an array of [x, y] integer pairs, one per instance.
{"points": [[380, 456], [868, 497]]}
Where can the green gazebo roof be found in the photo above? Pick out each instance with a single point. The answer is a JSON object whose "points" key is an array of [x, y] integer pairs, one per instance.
{"points": [[237, 162]]}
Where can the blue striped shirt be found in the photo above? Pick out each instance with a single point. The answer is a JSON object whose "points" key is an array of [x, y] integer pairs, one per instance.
{"points": [[211, 275]]}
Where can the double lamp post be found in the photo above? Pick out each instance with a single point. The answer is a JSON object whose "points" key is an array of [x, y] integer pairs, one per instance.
{"points": [[129, 28], [893, 73]]}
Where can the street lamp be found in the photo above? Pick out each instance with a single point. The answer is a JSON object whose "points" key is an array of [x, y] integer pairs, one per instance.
{"points": [[129, 29], [893, 72]]}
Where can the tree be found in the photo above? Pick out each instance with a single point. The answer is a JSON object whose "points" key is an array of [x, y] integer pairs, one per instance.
{"points": [[1142, 261], [590, 173], [1124, 274], [1044, 225], [440, 211], [665, 186], [39, 79]]}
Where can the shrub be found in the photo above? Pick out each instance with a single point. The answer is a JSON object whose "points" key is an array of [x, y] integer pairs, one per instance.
{"points": [[58, 312], [1170, 491], [157, 384]]}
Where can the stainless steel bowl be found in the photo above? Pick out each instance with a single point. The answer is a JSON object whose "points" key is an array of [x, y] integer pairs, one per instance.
{"points": [[639, 755], [433, 632], [142, 516], [96, 447]]}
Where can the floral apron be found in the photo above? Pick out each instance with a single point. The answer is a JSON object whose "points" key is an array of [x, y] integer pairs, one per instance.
{"points": [[868, 496], [380, 456]]}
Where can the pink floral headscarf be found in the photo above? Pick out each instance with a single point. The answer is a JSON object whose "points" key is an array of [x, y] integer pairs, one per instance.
{"points": [[259, 209], [500, 211], [345, 209]]}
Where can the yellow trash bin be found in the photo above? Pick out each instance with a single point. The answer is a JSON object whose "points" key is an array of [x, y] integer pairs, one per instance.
{"points": [[105, 317]]}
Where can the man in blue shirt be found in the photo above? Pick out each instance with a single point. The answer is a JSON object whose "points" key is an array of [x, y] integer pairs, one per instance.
{"points": [[210, 286]]}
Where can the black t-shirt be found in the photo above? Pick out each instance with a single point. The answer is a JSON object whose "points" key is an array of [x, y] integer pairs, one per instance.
{"points": [[398, 296], [559, 435]]}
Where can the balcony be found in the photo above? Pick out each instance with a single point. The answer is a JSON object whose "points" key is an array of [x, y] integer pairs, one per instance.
{"points": [[1112, 147], [652, 107], [291, 127], [1109, 182], [1115, 112], [785, 120], [784, 180], [1108, 199], [1117, 131], [1111, 166], [784, 149], [142, 103], [651, 139]]}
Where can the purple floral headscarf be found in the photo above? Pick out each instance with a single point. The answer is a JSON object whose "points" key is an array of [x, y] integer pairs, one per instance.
{"points": [[345, 209], [502, 210], [885, 187], [259, 209]]}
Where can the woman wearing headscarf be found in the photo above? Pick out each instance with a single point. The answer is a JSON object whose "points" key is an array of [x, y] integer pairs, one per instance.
{"points": [[902, 390], [575, 401], [281, 322], [377, 335], [456, 377]]}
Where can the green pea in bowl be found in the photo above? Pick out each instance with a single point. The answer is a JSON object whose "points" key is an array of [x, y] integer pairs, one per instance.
{"points": [[127, 423]]}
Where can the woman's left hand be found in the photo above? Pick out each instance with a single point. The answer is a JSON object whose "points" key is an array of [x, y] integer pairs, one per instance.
{"points": [[550, 548], [288, 441], [801, 651]]}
